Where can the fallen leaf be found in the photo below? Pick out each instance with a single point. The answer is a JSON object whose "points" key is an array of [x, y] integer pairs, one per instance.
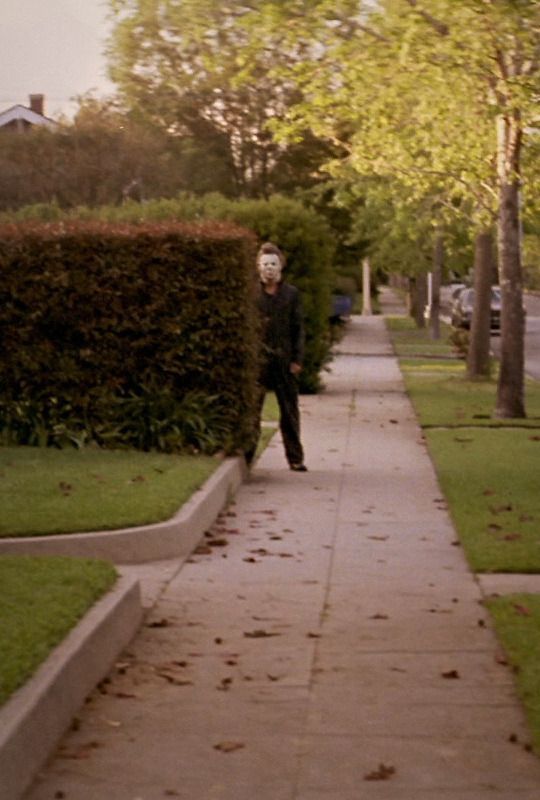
{"points": [[382, 773], [229, 747], [451, 674], [160, 623], [138, 479], [523, 610], [173, 679], [311, 635], [259, 633], [511, 537], [218, 542], [378, 538], [379, 616], [202, 550], [225, 684], [250, 560], [84, 751], [500, 509]]}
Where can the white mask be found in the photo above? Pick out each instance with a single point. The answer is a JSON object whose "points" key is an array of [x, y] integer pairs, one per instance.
{"points": [[269, 267]]}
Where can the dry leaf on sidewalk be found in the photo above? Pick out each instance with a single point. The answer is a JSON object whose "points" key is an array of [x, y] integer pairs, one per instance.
{"points": [[382, 773], [259, 634], [451, 674], [229, 747]]}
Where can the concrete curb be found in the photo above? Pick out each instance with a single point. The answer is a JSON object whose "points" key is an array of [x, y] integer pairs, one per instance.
{"points": [[34, 719], [173, 538]]}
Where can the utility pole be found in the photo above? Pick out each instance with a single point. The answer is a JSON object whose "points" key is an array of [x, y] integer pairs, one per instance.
{"points": [[366, 288]]}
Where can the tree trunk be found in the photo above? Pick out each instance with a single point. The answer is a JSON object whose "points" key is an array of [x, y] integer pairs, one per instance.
{"points": [[510, 390], [435, 305], [418, 291], [478, 354]]}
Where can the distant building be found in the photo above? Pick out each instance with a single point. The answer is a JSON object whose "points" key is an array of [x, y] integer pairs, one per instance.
{"points": [[20, 119]]}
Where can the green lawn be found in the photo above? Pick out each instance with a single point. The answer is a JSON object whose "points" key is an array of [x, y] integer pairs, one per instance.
{"points": [[491, 481], [41, 599], [517, 622], [45, 490]]}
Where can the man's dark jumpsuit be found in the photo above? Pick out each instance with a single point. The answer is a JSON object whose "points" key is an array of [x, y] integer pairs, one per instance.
{"points": [[283, 345]]}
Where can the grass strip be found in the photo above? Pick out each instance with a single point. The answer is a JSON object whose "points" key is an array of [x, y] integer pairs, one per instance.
{"points": [[66, 491], [409, 340], [490, 481], [517, 623], [41, 599]]}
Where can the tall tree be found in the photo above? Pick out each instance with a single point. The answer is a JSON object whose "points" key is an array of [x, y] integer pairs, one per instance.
{"points": [[438, 94], [177, 63]]}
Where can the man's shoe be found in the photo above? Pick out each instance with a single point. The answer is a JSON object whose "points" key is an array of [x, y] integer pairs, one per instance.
{"points": [[298, 467]]}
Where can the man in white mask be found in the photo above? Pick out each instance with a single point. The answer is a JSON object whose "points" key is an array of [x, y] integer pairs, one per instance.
{"points": [[283, 347]]}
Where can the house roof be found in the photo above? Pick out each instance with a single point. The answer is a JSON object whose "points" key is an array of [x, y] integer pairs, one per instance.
{"points": [[19, 112]]}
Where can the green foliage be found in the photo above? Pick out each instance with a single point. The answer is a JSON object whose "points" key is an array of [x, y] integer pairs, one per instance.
{"points": [[41, 599], [188, 68], [128, 336]]}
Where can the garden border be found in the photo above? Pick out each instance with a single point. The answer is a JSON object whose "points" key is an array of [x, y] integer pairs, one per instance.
{"points": [[173, 538]]}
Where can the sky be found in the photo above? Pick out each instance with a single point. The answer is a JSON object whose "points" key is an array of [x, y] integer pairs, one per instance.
{"points": [[54, 48]]}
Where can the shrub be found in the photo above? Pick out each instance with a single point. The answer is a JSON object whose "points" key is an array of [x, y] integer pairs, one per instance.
{"points": [[139, 336]]}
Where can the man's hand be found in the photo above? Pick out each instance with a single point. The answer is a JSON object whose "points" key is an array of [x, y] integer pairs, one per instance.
{"points": [[295, 368]]}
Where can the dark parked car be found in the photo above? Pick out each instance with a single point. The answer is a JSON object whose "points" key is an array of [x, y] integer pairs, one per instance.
{"points": [[463, 305]]}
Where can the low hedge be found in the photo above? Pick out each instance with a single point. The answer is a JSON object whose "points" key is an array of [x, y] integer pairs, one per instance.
{"points": [[135, 336]]}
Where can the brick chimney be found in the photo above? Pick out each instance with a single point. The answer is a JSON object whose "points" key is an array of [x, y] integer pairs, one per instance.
{"points": [[37, 103]]}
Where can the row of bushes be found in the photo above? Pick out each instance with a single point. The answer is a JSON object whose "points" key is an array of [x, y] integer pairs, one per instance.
{"points": [[303, 234], [137, 336]]}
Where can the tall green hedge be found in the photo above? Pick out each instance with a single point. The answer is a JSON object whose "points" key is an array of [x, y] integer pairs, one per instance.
{"points": [[303, 234], [142, 336]]}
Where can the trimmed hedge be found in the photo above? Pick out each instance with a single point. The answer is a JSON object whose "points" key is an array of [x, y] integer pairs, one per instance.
{"points": [[128, 336], [302, 234]]}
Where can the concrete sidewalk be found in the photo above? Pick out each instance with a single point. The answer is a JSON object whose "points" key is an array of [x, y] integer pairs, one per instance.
{"points": [[328, 643]]}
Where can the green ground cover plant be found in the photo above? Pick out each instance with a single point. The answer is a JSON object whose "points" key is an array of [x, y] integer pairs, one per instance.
{"points": [[47, 491], [517, 622], [41, 599]]}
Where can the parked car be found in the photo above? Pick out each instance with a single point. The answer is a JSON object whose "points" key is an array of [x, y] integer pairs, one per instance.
{"points": [[463, 305]]}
